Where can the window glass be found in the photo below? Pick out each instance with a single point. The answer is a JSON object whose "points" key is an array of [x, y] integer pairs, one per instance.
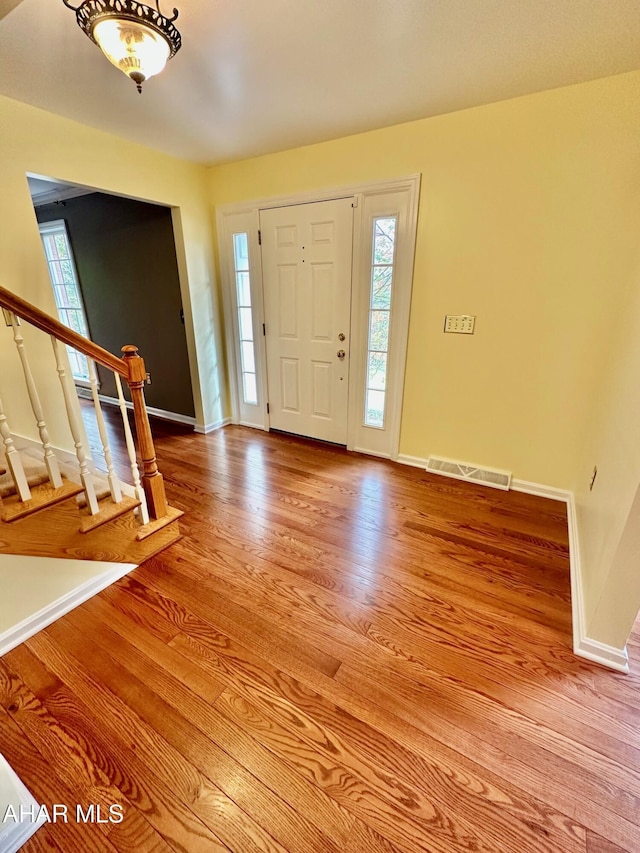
{"points": [[66, 289], [245, 317], [382, 261]]}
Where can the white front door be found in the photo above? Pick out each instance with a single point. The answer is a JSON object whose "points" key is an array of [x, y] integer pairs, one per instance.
{"points": [[306, 267]]}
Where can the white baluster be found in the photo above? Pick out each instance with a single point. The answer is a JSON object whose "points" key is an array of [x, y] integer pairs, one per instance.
{"points": [[50, 460], [131, 450], [14, 461], [112, 477], [69, 402]]}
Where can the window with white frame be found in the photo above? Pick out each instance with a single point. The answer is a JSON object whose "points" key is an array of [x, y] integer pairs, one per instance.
{"points": [[66, 289], [245, 317], [382, 264]]}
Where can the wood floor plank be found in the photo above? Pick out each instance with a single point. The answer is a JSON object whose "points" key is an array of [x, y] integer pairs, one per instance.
{"points": [[363, 839], [624, 801], [60, 748], [187, 745], [595, 844], [337, 628], [147, 619], [108, 609], [232, 618], [371, 759], [573, 708], [135, 757], [326, 814], [48, 788], [136, 835], [41, 842], [460, 615], [341, 655], [541, 747], [441, 776], [382, 617], [497, 757]]}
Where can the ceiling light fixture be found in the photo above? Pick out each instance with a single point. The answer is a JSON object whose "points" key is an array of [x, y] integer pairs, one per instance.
{"points": [[135, 38]]}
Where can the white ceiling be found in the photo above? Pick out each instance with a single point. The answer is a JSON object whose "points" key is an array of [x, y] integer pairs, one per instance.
{"points": [[255, 76], [44, 191]]}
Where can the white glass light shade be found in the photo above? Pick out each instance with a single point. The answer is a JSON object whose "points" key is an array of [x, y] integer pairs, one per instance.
{"points": [[137, 50]]}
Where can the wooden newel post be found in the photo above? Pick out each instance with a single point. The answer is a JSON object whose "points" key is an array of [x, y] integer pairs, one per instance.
{"points": [[152, 481]]}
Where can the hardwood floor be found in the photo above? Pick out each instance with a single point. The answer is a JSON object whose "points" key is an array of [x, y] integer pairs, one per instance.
{"points": [[342, 655]]}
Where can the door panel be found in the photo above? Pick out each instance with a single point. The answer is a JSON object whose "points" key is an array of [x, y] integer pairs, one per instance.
{"points": [[290, 385], [306, 259]]}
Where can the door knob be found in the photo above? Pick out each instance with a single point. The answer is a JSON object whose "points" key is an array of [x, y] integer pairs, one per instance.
{"points": [[341, 354]]}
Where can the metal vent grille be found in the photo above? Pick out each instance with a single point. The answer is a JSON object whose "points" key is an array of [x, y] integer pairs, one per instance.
{"points": [[463, 471]]}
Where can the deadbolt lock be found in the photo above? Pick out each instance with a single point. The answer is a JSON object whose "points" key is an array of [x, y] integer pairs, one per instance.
{"points": [[341, 336]]}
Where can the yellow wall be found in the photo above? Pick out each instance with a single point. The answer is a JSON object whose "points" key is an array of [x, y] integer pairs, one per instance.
{"points": [[527, 219], [530, 219], [37, 142]]}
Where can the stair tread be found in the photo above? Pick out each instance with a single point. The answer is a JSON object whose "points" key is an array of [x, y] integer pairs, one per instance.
{"points": [[42, 496], [156, 524], [108, 511], [55, 533]]}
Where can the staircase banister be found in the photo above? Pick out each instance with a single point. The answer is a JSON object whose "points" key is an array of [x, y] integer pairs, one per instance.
{"points": [[28, 312]]}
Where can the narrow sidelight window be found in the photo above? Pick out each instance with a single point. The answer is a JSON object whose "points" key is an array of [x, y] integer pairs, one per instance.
{"points": [[382, 261], [66, 289], [245, 317]]}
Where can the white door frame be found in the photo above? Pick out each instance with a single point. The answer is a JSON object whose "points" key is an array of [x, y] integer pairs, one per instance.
{"points": [[380, 198]]}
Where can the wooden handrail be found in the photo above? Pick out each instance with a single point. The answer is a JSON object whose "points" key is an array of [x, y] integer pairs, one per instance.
{"points": [[28, 312], [130, 366]]}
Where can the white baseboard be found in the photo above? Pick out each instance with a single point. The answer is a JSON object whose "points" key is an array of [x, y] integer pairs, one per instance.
{"points": [[163, 414], [516, 485], [608, 656], [414, 461], [541, 490], [31, 625], [205, 429], [370, 453], [583, 646]]}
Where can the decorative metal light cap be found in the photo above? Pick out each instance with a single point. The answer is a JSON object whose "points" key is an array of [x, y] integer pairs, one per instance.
{"points": [[135, 38]]}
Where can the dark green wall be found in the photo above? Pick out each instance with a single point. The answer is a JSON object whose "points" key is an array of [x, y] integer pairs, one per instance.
{"points": [[126, 261]]}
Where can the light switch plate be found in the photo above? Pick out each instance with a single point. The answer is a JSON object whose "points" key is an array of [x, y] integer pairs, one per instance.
{"points": [[460, 324]]}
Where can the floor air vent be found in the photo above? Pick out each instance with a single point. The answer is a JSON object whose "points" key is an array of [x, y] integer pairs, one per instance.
{"points": [[461, 471]]}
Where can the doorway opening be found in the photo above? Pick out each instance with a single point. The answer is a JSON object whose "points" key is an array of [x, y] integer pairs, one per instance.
{"points": [[114, 274]]}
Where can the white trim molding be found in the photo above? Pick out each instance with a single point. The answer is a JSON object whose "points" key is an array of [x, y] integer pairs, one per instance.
{"points": [[412, 461], [12, 637], [540, 490], [14, 834], [163, 414], [583, 646], [324, 194], [395, 197], [205, 429], [228, 224]]}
